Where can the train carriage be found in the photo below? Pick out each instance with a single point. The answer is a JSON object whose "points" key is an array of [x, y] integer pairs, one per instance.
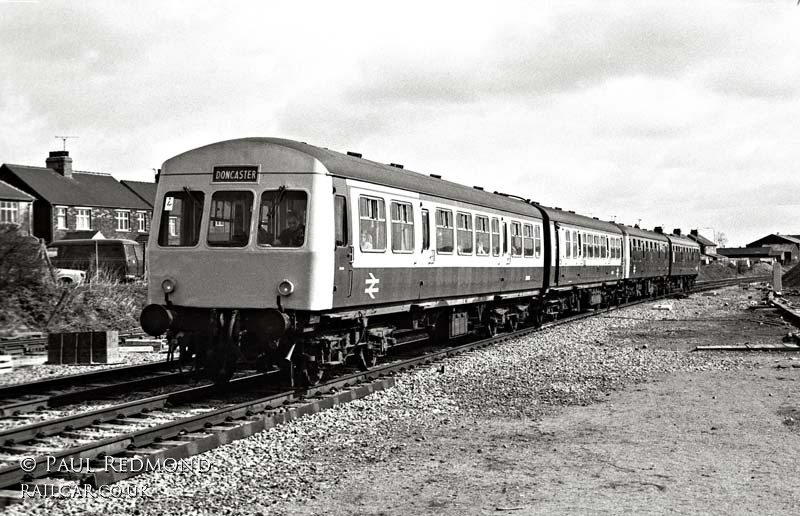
{"points": [[292, 255], [646, 261], [264, 242], [684, 260]]}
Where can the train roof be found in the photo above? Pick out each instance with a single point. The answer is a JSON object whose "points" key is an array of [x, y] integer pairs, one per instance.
{"points": [[683, 240], [353, 167], [568, 217], [643, 233]]}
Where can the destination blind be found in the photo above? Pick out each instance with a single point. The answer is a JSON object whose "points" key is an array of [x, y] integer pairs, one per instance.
{"points": [[235, 174]]}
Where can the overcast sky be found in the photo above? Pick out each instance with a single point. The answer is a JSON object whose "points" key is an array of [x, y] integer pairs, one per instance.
{"points": [[679, 114]]}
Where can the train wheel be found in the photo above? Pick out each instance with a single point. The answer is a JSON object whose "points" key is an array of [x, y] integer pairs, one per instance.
{"points": [[366, 358], [512, 324], [537, 318], [310, 371]]}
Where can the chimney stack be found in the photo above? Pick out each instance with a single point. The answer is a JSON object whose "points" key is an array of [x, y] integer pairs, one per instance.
{"points": [[694, 232], [676, 231], [60, 162], [658, 229]]}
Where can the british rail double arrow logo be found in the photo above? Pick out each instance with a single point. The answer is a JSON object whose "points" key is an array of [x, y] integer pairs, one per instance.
{"points": [[372, 289]]}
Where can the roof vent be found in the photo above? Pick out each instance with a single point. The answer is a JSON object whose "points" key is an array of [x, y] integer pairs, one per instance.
{"points": [[658, 229], [676, 231], [478, 188], [595, 218], [437, 176], [396, 165], [354, 154], [570, 211], [556, 208]]}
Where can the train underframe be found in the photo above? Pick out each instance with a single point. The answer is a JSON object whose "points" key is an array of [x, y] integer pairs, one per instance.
{"points": [[215, 342]]}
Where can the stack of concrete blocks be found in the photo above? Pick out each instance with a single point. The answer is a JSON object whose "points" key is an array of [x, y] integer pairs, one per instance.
{"points": [[6, 364], [86, 347]]}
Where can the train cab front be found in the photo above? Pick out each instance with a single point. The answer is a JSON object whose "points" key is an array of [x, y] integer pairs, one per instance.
{"points": [[237, 253]]}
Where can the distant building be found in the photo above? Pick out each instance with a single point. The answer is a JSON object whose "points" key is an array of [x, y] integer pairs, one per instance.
{"points": [[751, 254], [787, 245], [147, 193], [16, 208], [67, 201], [708, 249]]}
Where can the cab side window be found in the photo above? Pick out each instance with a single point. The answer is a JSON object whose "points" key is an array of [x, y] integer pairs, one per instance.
{"points": [[340, 220]]}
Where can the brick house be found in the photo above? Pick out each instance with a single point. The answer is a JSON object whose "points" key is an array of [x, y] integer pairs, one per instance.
{"points": [[67, 201], [708, 249], [147, 193], [16, 208]]}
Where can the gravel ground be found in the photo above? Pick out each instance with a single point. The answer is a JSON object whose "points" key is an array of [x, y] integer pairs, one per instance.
{"points": [[419, 440], [45, 371]]}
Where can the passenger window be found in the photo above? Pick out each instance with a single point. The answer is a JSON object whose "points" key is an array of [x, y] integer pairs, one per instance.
{"points": [[537, 241], [426, 231], [575, 246], [527, 240], [464, 233], [481, 235], [516, 239], [372, 217], [181, 214], [586, 247], [444, 231], [402, 227], [495, 237], [282, 217], [340, 220], [505, 237], [568, 244]]}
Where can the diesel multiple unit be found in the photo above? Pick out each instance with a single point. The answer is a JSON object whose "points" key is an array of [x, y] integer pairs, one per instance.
{"points": [[294, 255]]}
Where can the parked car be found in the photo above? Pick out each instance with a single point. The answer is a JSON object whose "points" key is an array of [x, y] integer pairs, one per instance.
{"points": [[70, 276], [122, 259]]}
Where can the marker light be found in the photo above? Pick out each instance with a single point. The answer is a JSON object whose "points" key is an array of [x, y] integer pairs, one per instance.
{"points": [[285, 287], [168, 286]]}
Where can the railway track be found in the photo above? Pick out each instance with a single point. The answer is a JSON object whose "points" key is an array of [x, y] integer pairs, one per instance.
{"points": [[17, 399], [38, 345], [124, 440]]}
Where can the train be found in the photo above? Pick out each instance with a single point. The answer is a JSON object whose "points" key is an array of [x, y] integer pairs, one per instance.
{"points": [[285, 255]]}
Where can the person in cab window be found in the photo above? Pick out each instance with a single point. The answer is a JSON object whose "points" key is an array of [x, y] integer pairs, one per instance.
{"points": [[293, 235]]}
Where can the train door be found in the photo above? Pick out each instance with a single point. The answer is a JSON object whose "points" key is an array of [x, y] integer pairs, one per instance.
{"points": [[428, 254], [557, 253], [506, 250], [343, 252]]}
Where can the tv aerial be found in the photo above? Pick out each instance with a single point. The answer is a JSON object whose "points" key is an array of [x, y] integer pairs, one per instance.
{"points": [[64, 140]]}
